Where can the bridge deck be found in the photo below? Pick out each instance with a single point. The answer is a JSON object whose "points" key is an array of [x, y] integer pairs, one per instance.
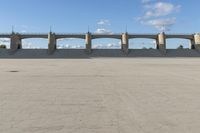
{"points": [[151, 36], [115, 36], [182, 36], [25, 36], [60, 36], [5, 35], [96, 36]]}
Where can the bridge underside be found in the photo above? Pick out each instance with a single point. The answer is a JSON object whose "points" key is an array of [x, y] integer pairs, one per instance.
{"points": [[34, 36], [106, 36], [70, 36], [143, 36], [180, 36]]}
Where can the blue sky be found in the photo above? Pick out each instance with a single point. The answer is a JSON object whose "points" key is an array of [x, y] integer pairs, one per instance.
{"points": [[102, 16]]}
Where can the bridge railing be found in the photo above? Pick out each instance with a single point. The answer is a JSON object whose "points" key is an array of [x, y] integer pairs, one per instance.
{"points": [[179, 34], [93, 33], [5, 33], [142, 34], [33, 33], [70, 33]]}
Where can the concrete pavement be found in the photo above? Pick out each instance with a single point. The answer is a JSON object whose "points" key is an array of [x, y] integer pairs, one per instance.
{"points": [[112, 95]]}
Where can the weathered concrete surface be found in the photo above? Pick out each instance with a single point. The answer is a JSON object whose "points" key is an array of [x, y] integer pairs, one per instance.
{"points": [[137, 95], [82, 53]]}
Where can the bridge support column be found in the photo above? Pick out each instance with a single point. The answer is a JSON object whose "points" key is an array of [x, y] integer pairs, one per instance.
{"points": [[161, 42], [192, 44], [15, 42], [157, 44], [51, 43], [125, 43], [88, 41], [197, 41]]}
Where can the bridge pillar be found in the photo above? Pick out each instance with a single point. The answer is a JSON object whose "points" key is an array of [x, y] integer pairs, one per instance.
{"points": [[161, 42], [192, 44], [88, 41], [15, 42], [197, 41], [51, 43], [125, 43], [157, 44]]}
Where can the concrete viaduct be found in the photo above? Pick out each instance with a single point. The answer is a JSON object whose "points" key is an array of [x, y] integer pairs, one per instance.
{"points": [[16, 39]]}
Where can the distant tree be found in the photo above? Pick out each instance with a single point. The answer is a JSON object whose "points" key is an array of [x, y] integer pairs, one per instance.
{"points": [[3, 46], [180, 47], [144, 48]]}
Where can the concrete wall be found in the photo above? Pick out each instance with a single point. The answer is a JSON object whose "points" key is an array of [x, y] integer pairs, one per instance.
{"points": [[80, 53]]}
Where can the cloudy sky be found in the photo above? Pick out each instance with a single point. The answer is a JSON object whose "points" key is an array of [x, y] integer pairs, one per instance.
{"points": [[98, 16]]}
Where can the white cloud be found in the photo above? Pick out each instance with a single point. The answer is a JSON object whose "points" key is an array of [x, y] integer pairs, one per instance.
{"points": [[158, 14], [153, 42], [66, 39], [103, 31], [27, 45], [4, 40], [113, 45], [70, 46], [161, 24], [104, 22], [107, 46], [160, 9], [23, 31], [30, 45], [103, 27]]}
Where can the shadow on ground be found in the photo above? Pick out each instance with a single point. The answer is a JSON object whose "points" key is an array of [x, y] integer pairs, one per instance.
{"points": [[81, 54]]}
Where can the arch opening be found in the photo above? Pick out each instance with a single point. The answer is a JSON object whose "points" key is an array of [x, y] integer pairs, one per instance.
{"points": [[142, 43], [178, 43], [106, 43], [35, 43], [70, 43], [5, 43]]}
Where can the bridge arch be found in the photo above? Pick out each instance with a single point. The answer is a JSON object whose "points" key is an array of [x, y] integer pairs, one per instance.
{"points": [[179, 43], [106, 36], [142, 43], [71, 43], [35, 43], [106, 43], [34, 37], [5, 41]]}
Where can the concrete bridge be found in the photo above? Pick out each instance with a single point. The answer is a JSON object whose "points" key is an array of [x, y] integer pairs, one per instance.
{"points": [[16, 39]]}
